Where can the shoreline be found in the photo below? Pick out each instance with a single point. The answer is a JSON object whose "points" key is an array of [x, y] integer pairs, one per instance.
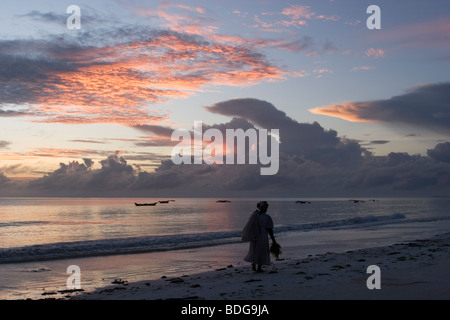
{"points": [[410, 270]]}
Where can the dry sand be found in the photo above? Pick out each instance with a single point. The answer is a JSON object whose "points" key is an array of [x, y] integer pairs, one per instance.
{"points": [[418, 270]]}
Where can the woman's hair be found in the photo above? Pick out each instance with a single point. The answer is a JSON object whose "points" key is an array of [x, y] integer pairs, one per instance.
{"points": [[262, 204]]}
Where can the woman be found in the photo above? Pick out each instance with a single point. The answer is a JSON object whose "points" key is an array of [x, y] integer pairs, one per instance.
{"points": [[257, 229]]}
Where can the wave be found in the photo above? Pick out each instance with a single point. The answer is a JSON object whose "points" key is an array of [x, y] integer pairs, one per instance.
{"points": [[20, 223], [351, 222], [78, 249]]}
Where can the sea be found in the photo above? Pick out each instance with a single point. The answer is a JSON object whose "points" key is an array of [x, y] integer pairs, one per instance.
{"points": [[112, 239]]}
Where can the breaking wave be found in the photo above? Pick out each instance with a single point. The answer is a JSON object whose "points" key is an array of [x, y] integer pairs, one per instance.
{"points": [[77, 249]]}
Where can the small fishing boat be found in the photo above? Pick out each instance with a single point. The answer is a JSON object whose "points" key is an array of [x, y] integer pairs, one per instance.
{"points": [[164, 201], [221, 201], [145, 204]]}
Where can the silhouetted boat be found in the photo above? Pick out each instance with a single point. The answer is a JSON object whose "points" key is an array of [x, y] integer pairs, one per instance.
{"points": [[299, 201], [223, 201], [145, 204]]}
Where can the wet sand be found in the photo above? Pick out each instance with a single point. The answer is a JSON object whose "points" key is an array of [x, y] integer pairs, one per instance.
{"points": [[418, 270]]}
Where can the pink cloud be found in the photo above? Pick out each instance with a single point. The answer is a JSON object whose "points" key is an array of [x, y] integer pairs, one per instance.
{"points": [[168, 5], [348, 111], [362, 68], [376, 53], [297, 16], [122, 82], [323, 70], [298, 12]]}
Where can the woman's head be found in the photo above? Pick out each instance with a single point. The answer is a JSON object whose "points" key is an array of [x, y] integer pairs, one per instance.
{"points": [[262, 206]]}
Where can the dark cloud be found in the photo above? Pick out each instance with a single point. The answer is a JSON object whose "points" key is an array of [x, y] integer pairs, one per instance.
{"points": [[29, 69], [164, 134], [50, 17], [11, 187], [88, 16], [426, 106], [4, 180], [307, 45], [114, 174], [368, 145], [304, 43], [307, 171], [400, 172], [155, 143], [88, 162], [10, 113], [14, 169], [379, 141], [303, 139], [395, 174], [162, 139], [441, 152], [158, 130], [4, 144]]}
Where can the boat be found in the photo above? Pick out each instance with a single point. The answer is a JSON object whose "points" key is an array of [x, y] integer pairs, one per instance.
{"points": [[223, 201], [302, 202], [145, 204]]}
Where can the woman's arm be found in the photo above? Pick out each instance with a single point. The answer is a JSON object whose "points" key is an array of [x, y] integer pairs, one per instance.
{"points": [[270, 231]]}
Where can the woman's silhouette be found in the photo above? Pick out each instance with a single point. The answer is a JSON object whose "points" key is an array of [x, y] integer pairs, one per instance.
{"points": [[257, 230]]}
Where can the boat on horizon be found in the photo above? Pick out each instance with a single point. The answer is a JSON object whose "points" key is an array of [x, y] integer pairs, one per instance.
{"points": [[145, 204], [223, 201]]}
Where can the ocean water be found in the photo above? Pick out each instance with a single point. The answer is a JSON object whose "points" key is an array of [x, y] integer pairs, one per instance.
{"points": [[38, 232]]}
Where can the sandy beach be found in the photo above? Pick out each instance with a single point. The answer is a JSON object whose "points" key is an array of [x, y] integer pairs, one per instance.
{"points": [[409, 270]]}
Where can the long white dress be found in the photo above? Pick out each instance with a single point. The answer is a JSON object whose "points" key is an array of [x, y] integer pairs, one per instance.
{"points": [[258, 252]]}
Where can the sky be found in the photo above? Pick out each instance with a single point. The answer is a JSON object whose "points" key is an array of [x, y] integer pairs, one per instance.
{"points": [[89, 111]]}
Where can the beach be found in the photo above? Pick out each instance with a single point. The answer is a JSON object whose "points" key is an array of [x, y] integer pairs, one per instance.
{"points": [[191, 250], [409, 270]]}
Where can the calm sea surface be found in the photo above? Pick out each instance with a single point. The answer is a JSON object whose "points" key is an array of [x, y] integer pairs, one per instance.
{"points": [[50, 228]]}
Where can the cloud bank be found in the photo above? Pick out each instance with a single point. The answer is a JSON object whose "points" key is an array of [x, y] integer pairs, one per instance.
{"points": [[313, 162]]}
